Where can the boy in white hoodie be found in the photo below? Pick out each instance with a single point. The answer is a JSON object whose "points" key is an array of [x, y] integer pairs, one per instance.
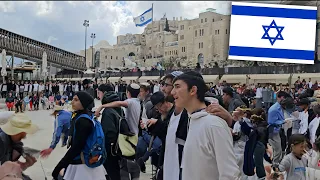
{"points": [[208, 151]]}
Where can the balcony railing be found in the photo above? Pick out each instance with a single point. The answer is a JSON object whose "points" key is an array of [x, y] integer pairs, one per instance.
{"points": [[289, 69]]}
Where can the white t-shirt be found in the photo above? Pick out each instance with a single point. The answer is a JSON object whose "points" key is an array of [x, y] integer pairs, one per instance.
{"points": [[116, 88], [310, 84], [30, 87], [171, 167], [41, 87], [61, 87], [26, 86], [132, 113], [156, 88], [303, 116], [208, 151], [313, 126], [35, 87], [259, 92]]}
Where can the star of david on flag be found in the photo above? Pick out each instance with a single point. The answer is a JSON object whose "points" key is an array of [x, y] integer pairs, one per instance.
{"points": [[272, 33], [267, 29], [144, 19]]}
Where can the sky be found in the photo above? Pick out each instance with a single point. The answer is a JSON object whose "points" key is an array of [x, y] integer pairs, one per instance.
{"points": [[60, 23]]}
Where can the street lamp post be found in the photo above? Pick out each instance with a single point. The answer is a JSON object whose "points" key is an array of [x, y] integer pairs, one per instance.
{"points": [[86, 25], [93, 35]]}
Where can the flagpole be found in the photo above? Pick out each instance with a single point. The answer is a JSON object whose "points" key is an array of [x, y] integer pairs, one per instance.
{"points": [[152, 50]]}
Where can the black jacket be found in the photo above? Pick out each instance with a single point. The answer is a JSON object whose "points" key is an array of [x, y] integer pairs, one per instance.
{"points": [[109, 119], [160, 129]]}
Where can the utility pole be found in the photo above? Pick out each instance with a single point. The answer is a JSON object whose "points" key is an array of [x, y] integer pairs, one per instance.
{"points": [[93, 35], [86, 25]]}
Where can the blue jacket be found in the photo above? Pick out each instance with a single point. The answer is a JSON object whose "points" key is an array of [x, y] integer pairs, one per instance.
{"points": [[62, 123]]}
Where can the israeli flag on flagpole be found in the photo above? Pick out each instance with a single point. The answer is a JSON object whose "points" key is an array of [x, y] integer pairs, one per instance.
{"points": [[144, 18], [272, 33]]}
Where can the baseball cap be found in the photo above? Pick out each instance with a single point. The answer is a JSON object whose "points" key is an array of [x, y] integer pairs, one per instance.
{"points": [[156, 98]]}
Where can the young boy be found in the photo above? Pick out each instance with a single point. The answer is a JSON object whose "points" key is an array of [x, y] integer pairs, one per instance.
{"points": [[208, 151]]}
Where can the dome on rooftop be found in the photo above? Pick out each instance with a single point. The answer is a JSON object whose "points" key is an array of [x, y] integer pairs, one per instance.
{"points": [[209, 10]]}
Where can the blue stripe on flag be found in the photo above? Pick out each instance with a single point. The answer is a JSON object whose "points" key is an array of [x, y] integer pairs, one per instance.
{"points": [[271, 53], [274, 12], [146, 11], [144, 23]]}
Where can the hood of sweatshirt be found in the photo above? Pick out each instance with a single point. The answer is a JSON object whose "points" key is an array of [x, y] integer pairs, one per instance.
{"points": [[109, 97]]}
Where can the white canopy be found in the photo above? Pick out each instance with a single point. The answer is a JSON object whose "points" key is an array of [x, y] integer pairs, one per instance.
{"points": [[88, 71]]}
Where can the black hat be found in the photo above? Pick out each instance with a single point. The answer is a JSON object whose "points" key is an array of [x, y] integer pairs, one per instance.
{"points": [[86, 81], [86, 100], [303, 101], [228, 90], [105, 88], [156, 98]]}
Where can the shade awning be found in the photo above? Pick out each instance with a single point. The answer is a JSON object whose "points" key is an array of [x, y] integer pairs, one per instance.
{"points": [[234, 78], [75, 79], [113, 79], [145, 78], [210, 78], [129, 78], [269, 78]]}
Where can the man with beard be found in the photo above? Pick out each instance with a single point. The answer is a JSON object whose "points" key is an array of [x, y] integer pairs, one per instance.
{"points": [[87, 88]]}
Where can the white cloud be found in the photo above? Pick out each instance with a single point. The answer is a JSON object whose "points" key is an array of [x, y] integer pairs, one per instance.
{"points": [[50, 39], [44, 7]]}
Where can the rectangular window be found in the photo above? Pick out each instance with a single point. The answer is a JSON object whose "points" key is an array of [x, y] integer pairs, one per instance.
{"points": [[202, 45], [106, 57], [182, 27], [149, 48], [202, 32], [218, 31], [195, 33], [212, 20], [116, 57], [111, 57], [181, 37], [165, 53], [226, 31], [201, 20], [199, 45], [205, 20]]}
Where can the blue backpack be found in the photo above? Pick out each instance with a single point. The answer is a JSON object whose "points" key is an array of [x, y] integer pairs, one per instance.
{"points": [[94, 153]]}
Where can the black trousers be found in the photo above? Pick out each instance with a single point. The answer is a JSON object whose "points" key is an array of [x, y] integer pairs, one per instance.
{"points": [[112, 166]]}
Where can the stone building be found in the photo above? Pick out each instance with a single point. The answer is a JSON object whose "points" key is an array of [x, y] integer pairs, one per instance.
{"points": [[179, 41]]}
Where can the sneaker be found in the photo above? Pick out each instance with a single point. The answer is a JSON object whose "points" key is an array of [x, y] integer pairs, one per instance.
{"points": [[142, 165]]}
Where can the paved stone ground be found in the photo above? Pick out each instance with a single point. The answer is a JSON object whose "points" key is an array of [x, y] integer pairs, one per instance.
{"points": [[42, 139]]}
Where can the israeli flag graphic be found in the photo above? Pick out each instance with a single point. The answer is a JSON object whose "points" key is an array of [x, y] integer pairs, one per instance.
{"points": [[272, 33], [144, 18]]}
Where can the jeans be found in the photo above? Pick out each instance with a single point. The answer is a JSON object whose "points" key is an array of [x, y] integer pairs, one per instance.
{"points": [[129, 170], [143, 144]]}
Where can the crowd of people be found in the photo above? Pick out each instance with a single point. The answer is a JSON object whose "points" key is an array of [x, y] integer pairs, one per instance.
{"points": [[187, 128]]}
